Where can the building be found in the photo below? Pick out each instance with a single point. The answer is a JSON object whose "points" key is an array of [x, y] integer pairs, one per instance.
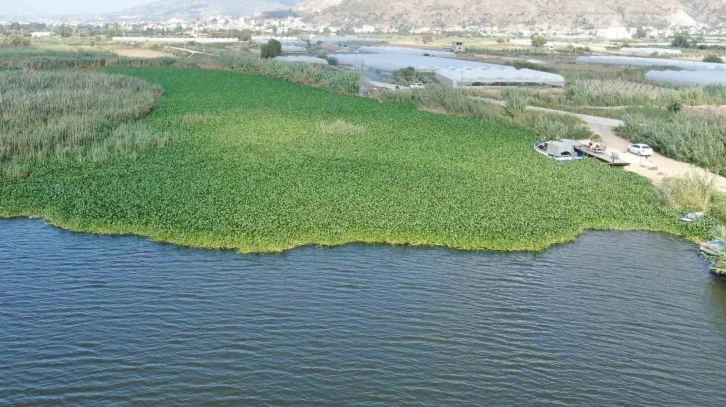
{"points": [[41, 34], [458, 46]]}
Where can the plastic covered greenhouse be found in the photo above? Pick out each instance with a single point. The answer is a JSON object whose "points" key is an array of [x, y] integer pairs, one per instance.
{"points": [[636, 61], [650, 51], [392, 62], [303, 58], [406, 51], [497, 76], [293, 49], [687, 78]]}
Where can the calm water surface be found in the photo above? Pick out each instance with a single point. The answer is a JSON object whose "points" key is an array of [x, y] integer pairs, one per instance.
{"points": [[619, 319]]}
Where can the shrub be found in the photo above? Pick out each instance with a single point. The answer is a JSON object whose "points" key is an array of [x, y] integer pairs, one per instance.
{"points": [[272, 49], [19, 42], [675, 107], [538, 41], [516, 101], [332, 61], [713, 59]]}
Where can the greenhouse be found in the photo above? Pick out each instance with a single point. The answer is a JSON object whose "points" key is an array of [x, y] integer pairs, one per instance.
{"points": [[388, 62], [406, 51], [293, 49], [303, 58], [646, 62], [687, 78], [650, 51], [497, 75]]}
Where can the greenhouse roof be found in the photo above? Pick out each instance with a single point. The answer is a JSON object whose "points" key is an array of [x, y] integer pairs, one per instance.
{"points": [[406, 51], [637, 61], [688, 78], [497, 74], [392, 62], [646, 50], [303, 58]]}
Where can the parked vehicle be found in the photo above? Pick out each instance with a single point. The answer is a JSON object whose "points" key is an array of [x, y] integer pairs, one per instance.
{"points": [[417, 85], [560, 150], [641, 150]]}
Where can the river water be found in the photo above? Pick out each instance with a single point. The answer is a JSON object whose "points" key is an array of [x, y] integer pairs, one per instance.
{"points": [[614, 319]]}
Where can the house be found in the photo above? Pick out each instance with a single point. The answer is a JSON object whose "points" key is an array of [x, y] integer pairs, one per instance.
{"points": [[41, 34], [458, 46]]}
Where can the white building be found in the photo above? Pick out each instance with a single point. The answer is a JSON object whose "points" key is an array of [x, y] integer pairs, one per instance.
{"points": [[614, 33], [41, 34], [458, 46]]}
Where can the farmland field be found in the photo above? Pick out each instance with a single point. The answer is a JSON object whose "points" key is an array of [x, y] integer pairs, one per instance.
{"points": [[259, 164]]}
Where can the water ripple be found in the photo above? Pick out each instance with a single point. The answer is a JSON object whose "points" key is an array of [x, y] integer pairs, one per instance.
{"points": [[614, 319]]}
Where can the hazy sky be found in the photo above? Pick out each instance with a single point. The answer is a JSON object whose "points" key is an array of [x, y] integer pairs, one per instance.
{"points": [[45, 7]]}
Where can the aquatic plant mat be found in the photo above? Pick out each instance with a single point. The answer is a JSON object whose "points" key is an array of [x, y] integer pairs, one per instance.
{"points": [[260, 164]]}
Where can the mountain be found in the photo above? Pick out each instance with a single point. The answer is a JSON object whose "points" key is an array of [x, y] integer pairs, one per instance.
{"points": [[194, 9], [437, 13]]}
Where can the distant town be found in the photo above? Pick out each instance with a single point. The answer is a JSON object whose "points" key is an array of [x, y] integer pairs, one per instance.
{"points": [[280, 24]]}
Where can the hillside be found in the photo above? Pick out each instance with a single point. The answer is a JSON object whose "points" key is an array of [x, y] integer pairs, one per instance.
{"points": [[401, 13], [194, 9]]}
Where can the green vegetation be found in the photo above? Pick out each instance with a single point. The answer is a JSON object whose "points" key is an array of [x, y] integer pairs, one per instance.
{"points": [[297, 72], [442, 99], [40, 58], [408, 76], [713, 59], [533, 66], [689, 192], [684, 40], [516, 101], [249, 168], [72, 116], [684, 137], [538, 41], [272, 49]]}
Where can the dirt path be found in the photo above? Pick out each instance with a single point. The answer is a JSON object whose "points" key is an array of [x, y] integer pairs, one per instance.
{"points": [[654, 168], [141, 53]]}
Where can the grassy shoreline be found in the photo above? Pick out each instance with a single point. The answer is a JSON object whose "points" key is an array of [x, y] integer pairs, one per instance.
{"points": [[247, 168]]}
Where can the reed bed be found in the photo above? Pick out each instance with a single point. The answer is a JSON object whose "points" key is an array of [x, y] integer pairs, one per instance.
{"points": [[330, 78], [79, 116], [39, 58]]}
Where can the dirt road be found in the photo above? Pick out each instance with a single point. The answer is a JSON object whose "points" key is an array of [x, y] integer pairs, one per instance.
{"points": [[655, 168]]}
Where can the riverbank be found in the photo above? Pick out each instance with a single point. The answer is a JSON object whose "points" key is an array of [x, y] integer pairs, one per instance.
{"points": [[257, 165]]}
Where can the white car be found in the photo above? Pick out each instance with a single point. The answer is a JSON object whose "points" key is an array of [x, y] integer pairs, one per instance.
{"points": [[417, 85], [641, 149]]}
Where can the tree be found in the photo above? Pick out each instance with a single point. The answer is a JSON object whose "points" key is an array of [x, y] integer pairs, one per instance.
{"points": [[640, 33], [332, 61], [502, 40], [272, 49], [65, 31], [683, 41], [113, 32], [538, 41], [713, 59], [15, 26], [427, 38]]}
